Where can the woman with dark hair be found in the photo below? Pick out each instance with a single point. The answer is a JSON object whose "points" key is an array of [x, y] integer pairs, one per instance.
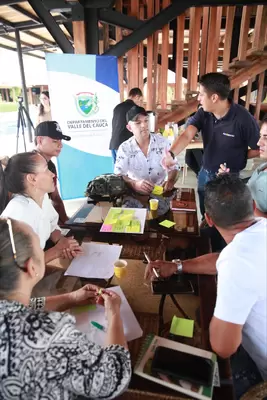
{"points": [[42, 353], [44, 113], [28, 179]]}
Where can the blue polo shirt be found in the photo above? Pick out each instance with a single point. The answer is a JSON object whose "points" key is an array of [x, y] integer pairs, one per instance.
{"points": [[226, 140]]}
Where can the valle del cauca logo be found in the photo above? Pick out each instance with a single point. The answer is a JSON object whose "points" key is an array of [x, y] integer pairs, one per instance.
{"points": [[87, 103]]}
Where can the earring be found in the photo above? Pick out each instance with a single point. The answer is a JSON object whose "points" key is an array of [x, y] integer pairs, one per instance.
{"points": [[36, 274]]}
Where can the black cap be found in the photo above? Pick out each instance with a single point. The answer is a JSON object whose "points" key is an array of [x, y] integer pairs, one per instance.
{"points": [[133, 113], [50, 129]]}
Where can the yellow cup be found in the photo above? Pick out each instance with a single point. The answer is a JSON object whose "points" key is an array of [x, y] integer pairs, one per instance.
{"points": [[153, 203], [120, 268]]}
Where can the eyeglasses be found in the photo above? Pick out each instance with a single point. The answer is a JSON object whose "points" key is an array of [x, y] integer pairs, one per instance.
{"points": [[12, 241]]}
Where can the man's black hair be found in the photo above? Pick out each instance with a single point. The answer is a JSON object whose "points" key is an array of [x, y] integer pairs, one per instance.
{"points": [[228, 201], [135, 92], [216, 83]]}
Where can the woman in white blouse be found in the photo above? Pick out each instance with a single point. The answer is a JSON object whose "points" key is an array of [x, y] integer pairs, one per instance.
{"points": [[43, 355], [28, 179]]}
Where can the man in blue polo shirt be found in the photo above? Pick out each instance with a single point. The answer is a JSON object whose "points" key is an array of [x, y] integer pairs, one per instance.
{"points": [[228, 130]]}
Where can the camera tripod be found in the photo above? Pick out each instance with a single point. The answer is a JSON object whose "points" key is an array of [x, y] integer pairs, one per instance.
{"points": [[21, 123]]}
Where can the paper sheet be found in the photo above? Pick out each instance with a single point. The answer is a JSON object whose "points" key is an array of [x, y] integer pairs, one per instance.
{"points": [[167, 223], [132, 329], [125, 220], [182, 327], [96, 262]]}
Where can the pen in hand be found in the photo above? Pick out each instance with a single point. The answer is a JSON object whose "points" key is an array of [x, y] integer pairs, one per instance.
{"points": [[154, 269]]}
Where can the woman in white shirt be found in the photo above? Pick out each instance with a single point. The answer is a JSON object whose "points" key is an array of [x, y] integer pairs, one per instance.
{"points": [[28, 179]]}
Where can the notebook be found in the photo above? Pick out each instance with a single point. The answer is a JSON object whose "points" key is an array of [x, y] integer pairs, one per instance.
{"points": [[144, 362]]}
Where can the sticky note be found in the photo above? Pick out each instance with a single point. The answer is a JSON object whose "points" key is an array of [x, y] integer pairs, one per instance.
{"points": [[110, 221], [167, 223], [118, 227], [182, 327], [125, 217], [81, 309], [158, 190], [127, 212], [106, 228]]}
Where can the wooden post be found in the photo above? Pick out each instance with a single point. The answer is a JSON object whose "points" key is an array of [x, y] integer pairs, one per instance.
{"points": [[211, 37], [120, 59], [141, 54], [204, 38], [230, 15], [248, 94], [236, 94], [179, 57], [133, 54], [193, 53], [79, 37], [150, 46], [260, 28], [155, 85], [243, 38], [259, 95], [164, 61], [217, 38]]}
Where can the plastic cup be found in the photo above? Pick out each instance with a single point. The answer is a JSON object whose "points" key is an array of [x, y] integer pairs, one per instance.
{"points": [[120, 268], [153, 203]]}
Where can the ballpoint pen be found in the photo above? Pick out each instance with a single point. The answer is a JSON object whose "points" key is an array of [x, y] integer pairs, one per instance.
{"points": [[153, 269], [98, 326]]}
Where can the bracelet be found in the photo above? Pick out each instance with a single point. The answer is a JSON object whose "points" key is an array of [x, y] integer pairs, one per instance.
{"points": [[172, 154]]}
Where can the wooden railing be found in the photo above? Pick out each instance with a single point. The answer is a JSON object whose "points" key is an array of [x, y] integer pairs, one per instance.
{"points": [[201, 40]]}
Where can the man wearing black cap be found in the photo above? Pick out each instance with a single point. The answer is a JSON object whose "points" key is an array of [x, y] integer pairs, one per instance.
{"points": [[48, 140], [139, 160]]}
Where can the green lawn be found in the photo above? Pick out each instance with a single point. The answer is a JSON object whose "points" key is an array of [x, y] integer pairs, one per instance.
{"points": [[8, 107]]}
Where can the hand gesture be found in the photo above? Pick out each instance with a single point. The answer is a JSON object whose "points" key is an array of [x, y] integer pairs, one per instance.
{"points": [[167, 161], [168, 186], [223, 169], [68, 247], [143, 186], [86, 295], [164, 269], [111, 302]]}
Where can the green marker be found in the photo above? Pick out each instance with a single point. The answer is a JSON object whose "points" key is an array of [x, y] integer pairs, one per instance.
{"points": [[98, 326]]}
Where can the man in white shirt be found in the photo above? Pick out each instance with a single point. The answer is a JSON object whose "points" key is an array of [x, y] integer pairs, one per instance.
{"points": [[240, 314], [139, 161]]}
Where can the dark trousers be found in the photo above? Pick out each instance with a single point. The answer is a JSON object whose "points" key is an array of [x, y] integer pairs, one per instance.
{"points": [[245, 372], [114, 155], [193, 159]]}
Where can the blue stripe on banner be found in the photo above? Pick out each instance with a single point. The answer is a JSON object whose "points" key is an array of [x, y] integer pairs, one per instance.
{"points": [[76, 168], [107, 71], [78, 64]]}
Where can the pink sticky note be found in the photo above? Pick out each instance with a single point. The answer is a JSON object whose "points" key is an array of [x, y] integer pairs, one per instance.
{"points": [[106, 228]]}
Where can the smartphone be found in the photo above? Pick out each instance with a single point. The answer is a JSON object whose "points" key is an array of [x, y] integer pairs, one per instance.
{"points": [[176, 284], [184, 366]]}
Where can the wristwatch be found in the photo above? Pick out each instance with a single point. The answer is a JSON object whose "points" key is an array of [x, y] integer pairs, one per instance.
{"points": [[179, 265], [172, 154]]}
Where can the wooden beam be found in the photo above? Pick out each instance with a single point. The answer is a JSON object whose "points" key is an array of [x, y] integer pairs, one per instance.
{"points": [[217, 37], [259, 95], [243, 38], [133, 54], [120, 59], [260, 28], [141, 54], [212, 32], [179, 57], [204, 39], [79, 37], [248, 94], [178, 114], [155, 86], [230, 15], [195, 22], [259, 65], [164, 60], [150, 46], [236, 95]]}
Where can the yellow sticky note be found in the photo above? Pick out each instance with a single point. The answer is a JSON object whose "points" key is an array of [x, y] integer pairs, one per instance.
{"points": [[81, 309], [167, 223], [127, 212], [158, 190], [182, 327], [110, 221], [125, 217], [118, 227]]}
